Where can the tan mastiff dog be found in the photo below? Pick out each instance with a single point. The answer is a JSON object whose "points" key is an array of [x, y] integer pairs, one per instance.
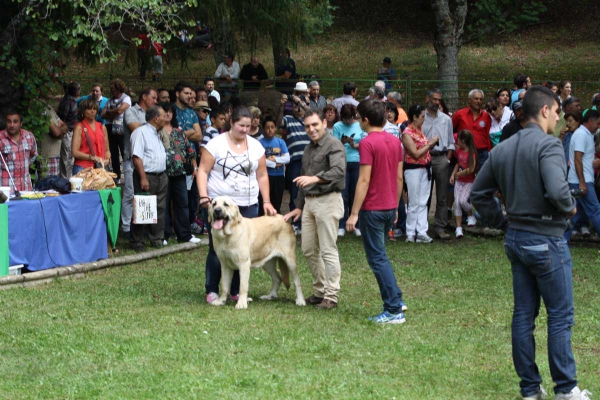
{"points": [[244, 243]]}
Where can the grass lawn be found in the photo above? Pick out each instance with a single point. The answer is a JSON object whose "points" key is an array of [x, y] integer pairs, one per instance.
{"points": [[144, 331]]}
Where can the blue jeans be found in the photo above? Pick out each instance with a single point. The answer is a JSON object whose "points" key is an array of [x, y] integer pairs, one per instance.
{"points": [[352, 169], [213, 265], [374, 228], [77, 169], [401, 223], [482, 157], [292, 171], [586, 205], [541, 268]]}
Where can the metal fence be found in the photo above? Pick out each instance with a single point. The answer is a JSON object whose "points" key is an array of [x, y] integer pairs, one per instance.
{"points": [[413, 89]]}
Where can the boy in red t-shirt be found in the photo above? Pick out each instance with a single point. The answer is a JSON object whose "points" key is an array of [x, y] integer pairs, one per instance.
{"points": [[376, 201]]}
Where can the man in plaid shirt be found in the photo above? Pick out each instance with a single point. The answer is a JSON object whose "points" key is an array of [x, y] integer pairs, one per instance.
{"points": [[19, 150]]}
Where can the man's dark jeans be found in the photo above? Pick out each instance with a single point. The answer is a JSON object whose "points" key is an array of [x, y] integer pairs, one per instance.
{"points": [[213, 265], [374, 226], [541, 268]]}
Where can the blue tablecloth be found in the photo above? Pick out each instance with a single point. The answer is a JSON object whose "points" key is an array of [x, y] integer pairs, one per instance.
{"points": [[74, 227]]}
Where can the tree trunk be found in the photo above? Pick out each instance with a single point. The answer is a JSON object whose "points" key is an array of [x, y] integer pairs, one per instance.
{"points": [[222, 40], [450, 19]]}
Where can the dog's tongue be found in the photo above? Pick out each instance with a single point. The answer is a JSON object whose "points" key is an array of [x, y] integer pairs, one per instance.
{"points": [[218, 224]]}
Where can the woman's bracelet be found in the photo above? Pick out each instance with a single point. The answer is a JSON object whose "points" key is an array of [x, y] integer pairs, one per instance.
{"points": [[265, 202]]}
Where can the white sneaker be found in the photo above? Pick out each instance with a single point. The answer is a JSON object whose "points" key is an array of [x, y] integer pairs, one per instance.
{"points": [[540, 395], [585, 232], [165, 243], [195, 240], [424, 239], [410, 239], [459, 233], [212, 296], [471, 220], [357, 232], [576, 394], [341, 232]]}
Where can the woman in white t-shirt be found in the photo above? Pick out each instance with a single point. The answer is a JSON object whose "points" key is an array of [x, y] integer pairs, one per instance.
{"points": [[237, 167]]}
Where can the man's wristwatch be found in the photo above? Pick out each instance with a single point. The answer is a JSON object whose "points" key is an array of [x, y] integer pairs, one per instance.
{"points": [[195, 168]]}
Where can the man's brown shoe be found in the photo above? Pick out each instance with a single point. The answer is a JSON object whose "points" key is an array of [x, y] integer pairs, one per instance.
{"points": [[442, 235], [314, 300], [327, 304]]}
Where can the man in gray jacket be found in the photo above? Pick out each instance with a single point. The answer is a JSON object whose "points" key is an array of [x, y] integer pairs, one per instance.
{"points": [[529, 170]]}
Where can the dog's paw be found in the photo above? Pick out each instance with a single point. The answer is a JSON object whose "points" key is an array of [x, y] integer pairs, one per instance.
{"points": [[268, 297], [241, 305], [218, 302], [300, 302]]}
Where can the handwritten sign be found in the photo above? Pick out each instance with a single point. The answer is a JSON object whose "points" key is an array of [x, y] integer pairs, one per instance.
{"points": [[144, 210]]}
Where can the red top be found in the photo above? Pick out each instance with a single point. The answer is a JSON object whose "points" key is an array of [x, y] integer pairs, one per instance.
{"points": [[462, 158], [145, 41], [96, 139], [157, 49], [479, 127], [420, 141], [383, 152]]}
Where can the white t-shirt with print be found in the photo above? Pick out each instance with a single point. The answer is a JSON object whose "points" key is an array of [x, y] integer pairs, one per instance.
{"points": [[234, 175], [116, 103]]}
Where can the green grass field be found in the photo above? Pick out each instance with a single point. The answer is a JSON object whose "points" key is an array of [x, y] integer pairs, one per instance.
{"points": [[144, 332]]}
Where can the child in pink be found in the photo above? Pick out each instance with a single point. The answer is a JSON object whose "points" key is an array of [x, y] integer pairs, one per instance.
{"points": [[462, 178]]}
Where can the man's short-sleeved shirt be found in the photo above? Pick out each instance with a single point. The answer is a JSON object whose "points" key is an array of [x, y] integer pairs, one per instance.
{"points": [[583, 142], [383, 152], [147, 145], [186, 118], [19, 156], [295, 136], [479, 127], [209, 134], [135, 114]]}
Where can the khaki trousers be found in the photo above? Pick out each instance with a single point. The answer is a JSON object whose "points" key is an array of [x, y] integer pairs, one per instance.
{"points": [[320, 219]]}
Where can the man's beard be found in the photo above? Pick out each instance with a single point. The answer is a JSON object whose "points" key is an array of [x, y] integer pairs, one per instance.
{"points": [[433, 107]]}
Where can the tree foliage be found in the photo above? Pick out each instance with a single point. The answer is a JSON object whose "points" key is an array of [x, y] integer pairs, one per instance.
{"points": [[502, 16]]}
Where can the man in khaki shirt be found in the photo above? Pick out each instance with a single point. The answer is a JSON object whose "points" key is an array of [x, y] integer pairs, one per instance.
{"points": [[321, 207]]}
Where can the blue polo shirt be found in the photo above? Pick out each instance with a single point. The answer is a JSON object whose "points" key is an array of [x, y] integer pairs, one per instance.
{"points": [[340, 129]]}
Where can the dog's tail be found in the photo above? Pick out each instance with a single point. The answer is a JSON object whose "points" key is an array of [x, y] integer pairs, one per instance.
{"points": [[285, 273]]}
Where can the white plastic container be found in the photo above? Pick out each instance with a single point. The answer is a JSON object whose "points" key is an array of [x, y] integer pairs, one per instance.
{"points": [[15, 269], [76, 185]]}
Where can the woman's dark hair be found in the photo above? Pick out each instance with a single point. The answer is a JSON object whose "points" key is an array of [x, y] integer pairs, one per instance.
{"points": [[213, 102], [168, 107], [226, 106], [119, 85], [550, 84], [577, 116], [467, 137], [499, 91], [391, 107], [414, 111], [240, 112], [348, 111], [73, 88], [268, 118], [561, 86], [86, 104], [329, 107]]}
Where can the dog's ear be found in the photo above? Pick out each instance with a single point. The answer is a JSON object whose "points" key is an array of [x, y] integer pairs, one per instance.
{"points": [[210, 212]]}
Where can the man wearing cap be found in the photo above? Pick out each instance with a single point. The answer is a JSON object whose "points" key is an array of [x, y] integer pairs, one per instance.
{"points": [[515, 124], [296, 139], [228, 73], [349, 96], [386, 73], [252, 73]]}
